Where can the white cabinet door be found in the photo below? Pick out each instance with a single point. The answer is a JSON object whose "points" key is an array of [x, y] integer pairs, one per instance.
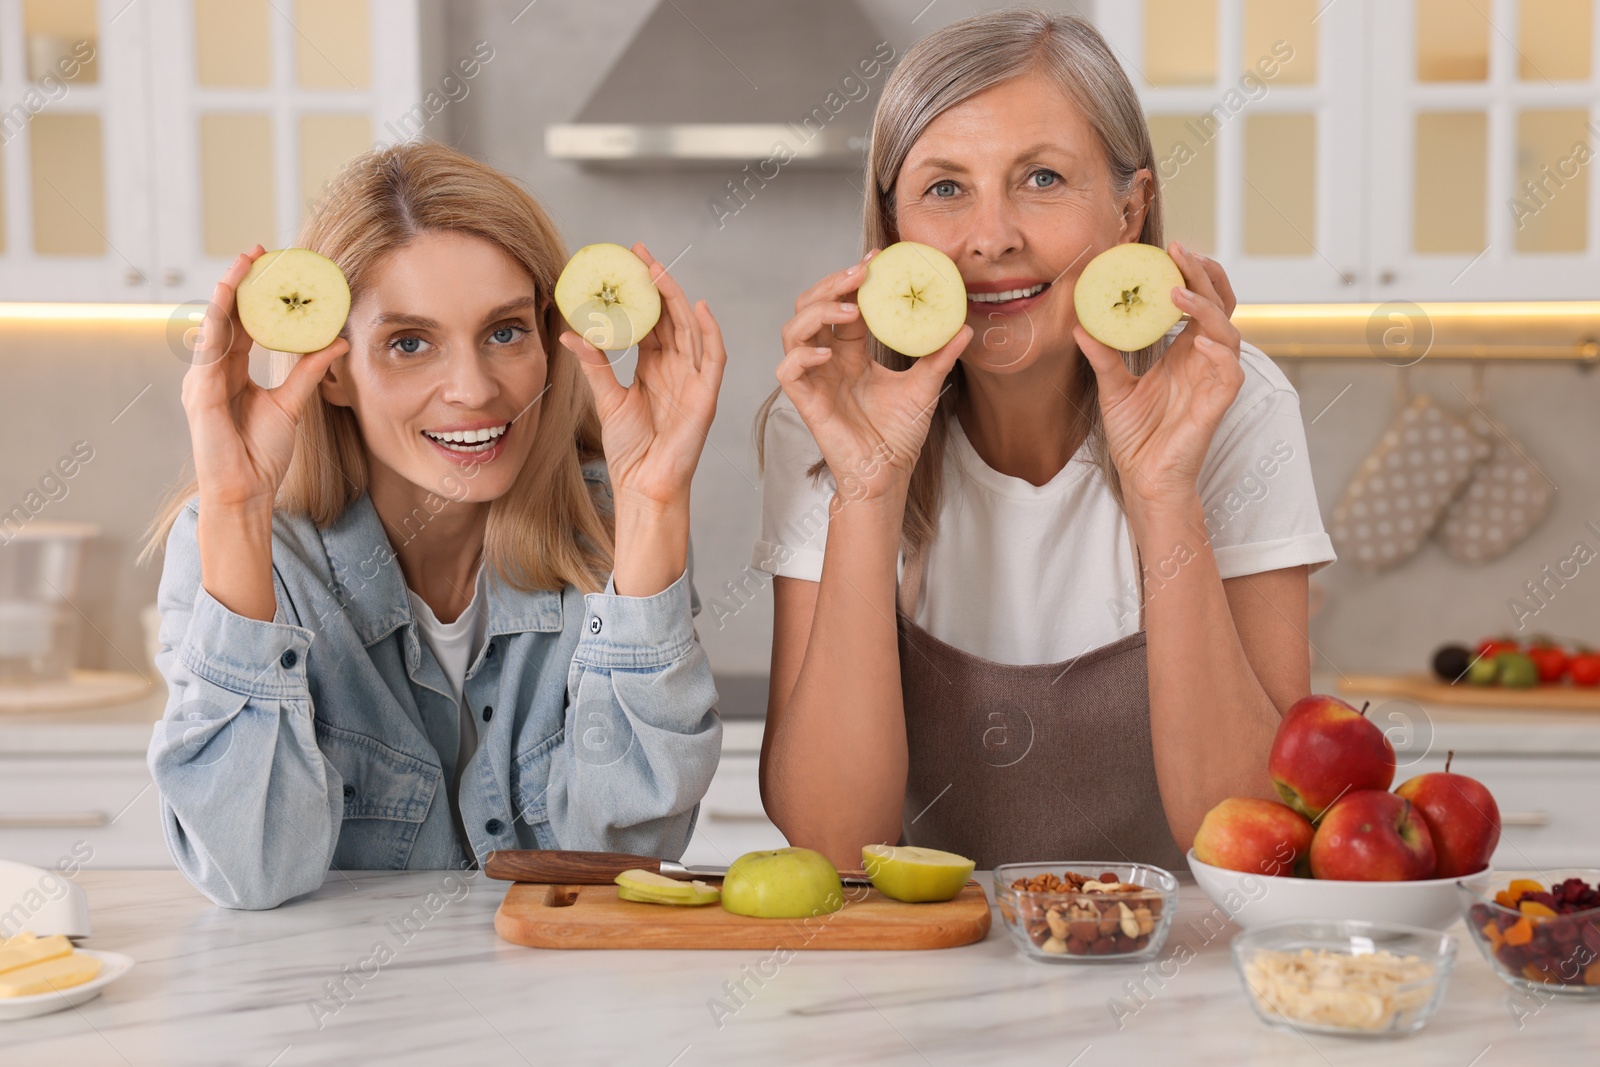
{"points": [[1255, 115], [260, 103], [1483, 117], [75, 185], [100, 810]]}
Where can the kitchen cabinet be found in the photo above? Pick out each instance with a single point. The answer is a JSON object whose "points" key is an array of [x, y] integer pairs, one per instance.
{"points": [[147, 144], [1375, 150]]}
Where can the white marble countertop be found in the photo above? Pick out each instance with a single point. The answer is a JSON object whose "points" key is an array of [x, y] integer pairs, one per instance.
{"points": [[216, 986]]}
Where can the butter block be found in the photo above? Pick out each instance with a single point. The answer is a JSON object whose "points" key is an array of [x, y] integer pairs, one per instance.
{"points": [[52, 975], [18, 952]]}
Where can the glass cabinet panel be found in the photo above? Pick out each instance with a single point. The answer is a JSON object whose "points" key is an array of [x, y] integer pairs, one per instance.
{"points": [[1550, 202], [332, 44], [1280, 174], [68, 180], [1554, 39], [231, 42], [1180, 42], [1449, 182], [1272, 27], [1186, 168], [1452, 41], [55, 33], [237, 188]]}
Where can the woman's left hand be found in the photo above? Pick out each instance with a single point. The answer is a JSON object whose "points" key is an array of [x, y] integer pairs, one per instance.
{"points": [[654, 429], [1159, 425]]}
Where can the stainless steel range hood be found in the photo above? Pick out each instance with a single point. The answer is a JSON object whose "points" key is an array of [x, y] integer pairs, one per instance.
{"points": [[719, 81]]}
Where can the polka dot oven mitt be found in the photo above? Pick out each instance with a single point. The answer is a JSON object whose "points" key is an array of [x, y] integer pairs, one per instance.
{"points": [[1504, 501], [1402, 488]]}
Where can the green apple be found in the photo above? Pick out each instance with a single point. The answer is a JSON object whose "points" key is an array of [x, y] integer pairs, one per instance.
{"points": [[1516, 670], [1124, 296], [648, 887], [782, 883], [293, 300], [912, 873], [606, 294], [913, 298]]}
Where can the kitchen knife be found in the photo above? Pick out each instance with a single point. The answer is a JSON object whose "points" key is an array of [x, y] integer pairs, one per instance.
{"points": [[563, 867]]}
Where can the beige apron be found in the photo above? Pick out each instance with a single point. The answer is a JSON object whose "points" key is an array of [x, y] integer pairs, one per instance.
{"points": [[1044, 762]]}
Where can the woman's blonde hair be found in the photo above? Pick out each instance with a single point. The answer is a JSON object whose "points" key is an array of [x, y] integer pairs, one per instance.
{"points": [[546, 531], [942, 70]]}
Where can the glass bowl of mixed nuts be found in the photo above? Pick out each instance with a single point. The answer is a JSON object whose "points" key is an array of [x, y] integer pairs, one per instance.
{"points": [[1093, 912]]}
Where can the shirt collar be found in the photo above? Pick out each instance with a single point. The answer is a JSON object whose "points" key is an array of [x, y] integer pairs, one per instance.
{"points": [[372, 591]]}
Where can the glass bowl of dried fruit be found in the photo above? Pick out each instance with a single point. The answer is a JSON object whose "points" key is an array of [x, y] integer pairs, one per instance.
{"points": [[1344, 976], [1541, 932], [1094, 912]]}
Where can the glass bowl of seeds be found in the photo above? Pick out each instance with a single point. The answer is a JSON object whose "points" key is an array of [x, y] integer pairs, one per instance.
{"points": [[1089, 912]]}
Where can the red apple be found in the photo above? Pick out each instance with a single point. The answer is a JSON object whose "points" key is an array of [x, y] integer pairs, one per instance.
{"points": [[1462, 817], [1325, 748], [1369, 835], [1255, 835]]}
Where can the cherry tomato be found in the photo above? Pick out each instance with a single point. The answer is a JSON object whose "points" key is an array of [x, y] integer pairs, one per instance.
{"points": [[1585, 668], [1551, 661], [1490, 647]]}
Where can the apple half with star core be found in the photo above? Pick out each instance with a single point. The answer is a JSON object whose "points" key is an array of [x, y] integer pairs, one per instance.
{"points": [[913, 298], [1124, 296], [1325, 748], [293, 300], [782, 883], [606, 295]]}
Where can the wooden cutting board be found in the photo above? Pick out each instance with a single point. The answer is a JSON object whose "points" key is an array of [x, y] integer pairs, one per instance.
{"points": [[1425, 687], [591, 916]]}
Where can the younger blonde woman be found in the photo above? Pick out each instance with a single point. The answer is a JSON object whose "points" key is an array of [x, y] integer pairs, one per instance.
{"points": [[430, 595]]}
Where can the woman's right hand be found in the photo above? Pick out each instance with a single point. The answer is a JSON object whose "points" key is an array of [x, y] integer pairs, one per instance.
{"points": [[243, 434], [869, 421]]}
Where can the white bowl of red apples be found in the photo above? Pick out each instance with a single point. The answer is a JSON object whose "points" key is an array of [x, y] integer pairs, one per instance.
{"points": [[1340, 845]]}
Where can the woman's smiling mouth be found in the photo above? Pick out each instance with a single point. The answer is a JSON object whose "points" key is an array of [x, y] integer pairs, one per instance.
{"points": [[1016, 296], [473, 441]]}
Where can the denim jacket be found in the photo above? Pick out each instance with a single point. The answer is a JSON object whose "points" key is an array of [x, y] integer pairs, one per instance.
{"points": [[324, 737]]}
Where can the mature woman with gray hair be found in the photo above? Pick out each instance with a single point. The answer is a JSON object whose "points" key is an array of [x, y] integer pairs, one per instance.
{"points": [[1035, 598]]}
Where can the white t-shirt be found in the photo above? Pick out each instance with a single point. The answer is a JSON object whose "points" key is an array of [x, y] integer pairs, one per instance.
{"points": [[1024, 574], [455, 645]]}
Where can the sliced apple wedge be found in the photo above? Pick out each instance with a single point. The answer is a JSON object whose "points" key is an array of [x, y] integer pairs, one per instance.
{"points": [[913, 299], [912, 873], [294, 300], [648, 887], [1124, 296], [606, 294]]}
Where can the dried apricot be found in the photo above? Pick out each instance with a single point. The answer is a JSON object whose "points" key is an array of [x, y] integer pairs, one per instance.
{"points": [[1520, 886], [1533, 907], [1519, 932]]}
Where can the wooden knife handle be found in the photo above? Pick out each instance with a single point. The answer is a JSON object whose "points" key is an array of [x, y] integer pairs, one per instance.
{"points": [[561, 867]]}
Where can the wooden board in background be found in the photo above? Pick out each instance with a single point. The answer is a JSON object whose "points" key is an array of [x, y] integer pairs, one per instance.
{"points": [[1424, 687], [591, 916]]}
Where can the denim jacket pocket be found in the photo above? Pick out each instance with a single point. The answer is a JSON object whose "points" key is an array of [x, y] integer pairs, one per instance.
{"points": [[530, 771], [389, 791]]}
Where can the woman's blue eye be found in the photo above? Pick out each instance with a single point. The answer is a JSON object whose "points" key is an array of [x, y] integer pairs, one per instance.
{"points": [[1049, 178], [943, 189], [511, 333], [409, 345]]}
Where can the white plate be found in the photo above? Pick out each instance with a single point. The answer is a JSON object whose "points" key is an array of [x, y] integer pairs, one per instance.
{"points": [[113, 965]]}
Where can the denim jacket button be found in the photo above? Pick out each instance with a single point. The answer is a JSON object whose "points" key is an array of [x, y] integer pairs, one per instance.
{"points": [[289, 659], [349, 790], [488, 653], [492, 827], [594, 624], [488, 713]]}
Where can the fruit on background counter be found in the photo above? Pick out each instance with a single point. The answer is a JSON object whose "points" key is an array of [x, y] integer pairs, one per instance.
{"points": [[913, 298], [1451, 662], [293, 300], [1123, 298], [1370, 835], [606, 295], [1255, 835], [1462, 818], [1325, 748], [782, 883]]}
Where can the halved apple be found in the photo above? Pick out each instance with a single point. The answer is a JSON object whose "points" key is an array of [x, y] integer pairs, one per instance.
{"points": [[1124, 296], [294, 300], [912, 873], [606, 294], [648, 887], [913, 298]]}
